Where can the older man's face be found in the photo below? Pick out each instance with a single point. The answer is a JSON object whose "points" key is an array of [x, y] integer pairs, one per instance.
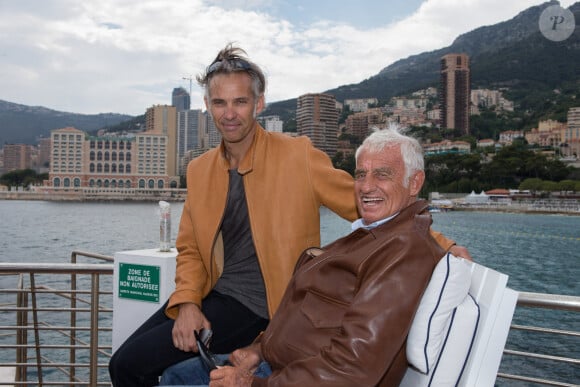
{"points": [[379, 187]]}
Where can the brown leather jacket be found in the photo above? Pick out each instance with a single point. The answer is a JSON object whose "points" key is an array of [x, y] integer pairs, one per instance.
{"points": [[345, 317]]}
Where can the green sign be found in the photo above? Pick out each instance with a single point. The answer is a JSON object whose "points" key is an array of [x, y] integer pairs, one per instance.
{"points": [[139, 282]]}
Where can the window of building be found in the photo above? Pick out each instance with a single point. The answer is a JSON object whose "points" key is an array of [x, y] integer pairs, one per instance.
{"points": [[151, 183], [56, 182], [160, 184], [141, 183], [77, 182], [66, 182]]}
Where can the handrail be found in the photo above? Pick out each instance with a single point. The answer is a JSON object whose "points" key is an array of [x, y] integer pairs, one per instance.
{"points": [[551, 301], [55, 268], [28, 325]]}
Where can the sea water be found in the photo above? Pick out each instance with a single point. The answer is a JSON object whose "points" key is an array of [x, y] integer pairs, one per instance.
{"points": [[540, 253]]}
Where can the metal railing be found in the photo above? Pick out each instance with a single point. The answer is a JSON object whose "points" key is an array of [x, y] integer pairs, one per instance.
{"points": [[59, 332], [552, 355], [55, 322]]}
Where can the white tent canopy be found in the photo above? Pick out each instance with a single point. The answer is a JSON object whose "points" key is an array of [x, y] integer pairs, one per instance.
{"points": [[474, 198]]}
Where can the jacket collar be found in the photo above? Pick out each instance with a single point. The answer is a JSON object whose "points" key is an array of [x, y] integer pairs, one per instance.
{"points": [[247, 164], [417, 210]]}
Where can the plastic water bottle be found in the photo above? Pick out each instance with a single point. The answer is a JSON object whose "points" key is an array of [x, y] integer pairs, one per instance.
{"points": [[164, 226]]}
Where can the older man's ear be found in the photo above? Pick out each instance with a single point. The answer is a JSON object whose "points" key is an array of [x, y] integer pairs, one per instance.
{"points": [[416, 182]]}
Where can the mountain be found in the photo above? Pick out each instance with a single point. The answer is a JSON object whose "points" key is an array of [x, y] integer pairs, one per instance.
{"points": [[21, 124], [512, 54]]}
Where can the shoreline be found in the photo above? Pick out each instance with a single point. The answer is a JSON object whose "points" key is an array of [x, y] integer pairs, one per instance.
{"points": [[85, 197], [516, 210]]}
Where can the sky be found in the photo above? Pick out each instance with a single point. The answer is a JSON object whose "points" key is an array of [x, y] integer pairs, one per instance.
{"points": [[124, 56]]}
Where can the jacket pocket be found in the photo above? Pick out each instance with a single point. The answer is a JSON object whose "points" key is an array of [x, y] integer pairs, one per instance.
{"points": [[322, 311]]}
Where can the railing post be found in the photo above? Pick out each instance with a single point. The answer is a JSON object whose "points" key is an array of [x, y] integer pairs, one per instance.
{"points": [[36, 332], [73, 321], [94, 360], [22, 333]]}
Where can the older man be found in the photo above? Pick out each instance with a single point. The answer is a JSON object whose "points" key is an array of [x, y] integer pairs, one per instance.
{"points": [[344, 318]]}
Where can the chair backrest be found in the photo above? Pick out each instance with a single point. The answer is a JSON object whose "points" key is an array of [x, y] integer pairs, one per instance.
{"points": [[461, 326]]}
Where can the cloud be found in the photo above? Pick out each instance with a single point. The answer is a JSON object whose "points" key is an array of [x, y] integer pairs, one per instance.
{"points": [[124, 56]]}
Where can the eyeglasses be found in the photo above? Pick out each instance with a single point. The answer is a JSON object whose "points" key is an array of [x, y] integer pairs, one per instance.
{"points": [[202, 340], [236, 64]]}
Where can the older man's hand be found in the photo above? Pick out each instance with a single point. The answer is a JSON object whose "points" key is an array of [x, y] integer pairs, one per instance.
{"points": [[230, 377]]}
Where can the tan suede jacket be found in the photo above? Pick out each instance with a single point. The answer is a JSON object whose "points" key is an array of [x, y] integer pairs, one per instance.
{"points": [[347, 311], [286, 181]]}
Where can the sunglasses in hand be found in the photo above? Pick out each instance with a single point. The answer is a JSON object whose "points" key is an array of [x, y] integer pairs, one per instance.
{"points": [[202, 340]]}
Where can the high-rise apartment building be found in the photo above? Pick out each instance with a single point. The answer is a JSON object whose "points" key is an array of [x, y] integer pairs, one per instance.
{"points": [[213, 135], [272, 123], [161, 120], [571, 144], [181, 99], [43, 162], [317, 118], [190, 135], [18, 156], [454, 92], [573, 131]]}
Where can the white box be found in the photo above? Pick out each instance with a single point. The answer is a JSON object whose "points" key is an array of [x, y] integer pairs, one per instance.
{"points": [[142, 281]]}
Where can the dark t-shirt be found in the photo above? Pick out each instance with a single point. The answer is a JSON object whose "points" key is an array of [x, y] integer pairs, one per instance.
{"points": [[241, 277]]}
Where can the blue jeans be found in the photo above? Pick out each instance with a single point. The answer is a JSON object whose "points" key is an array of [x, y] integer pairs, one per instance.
{"points": [[192, 372]]}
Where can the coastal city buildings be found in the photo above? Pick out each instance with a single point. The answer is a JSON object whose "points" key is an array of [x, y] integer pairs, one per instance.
{"points": [[78, 160], [180, 99], [157, 157], [191, 130], [360, 104], [454, 92], [489, 99], [18, 156], [317, 118], [272, 123]]}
